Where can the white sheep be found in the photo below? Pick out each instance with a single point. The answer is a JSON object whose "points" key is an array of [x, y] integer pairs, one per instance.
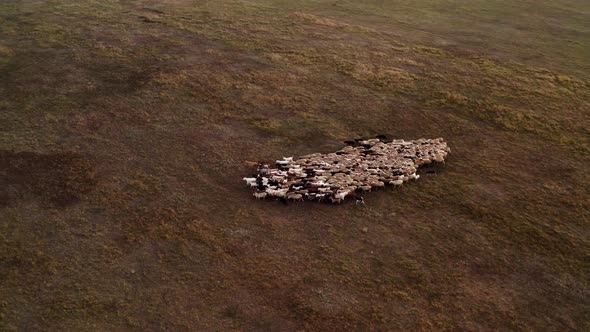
{"points": [[342, 195], [336, 199], [396, 183], [377, 184], [251, 182], [273, 191], [260, 195]]}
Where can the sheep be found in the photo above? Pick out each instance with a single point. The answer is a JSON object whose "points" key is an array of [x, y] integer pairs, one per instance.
{"points": [[377, 184], [260, 195], [335, 200], [396, 183], [295, 197], [262, 169], [439, 158], [342, 195], [310, 196], [280, 193], [371, 164], [365, 188], [350, 188], [277, 178]]}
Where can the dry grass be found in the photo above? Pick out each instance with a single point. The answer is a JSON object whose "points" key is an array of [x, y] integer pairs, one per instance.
{"points": [[124, 127]]}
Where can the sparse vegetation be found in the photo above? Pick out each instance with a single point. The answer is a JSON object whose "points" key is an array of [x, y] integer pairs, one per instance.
{"points": [[124, 127]]}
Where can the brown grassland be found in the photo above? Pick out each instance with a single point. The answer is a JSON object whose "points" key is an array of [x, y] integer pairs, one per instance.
{"points": [[124, 126]]}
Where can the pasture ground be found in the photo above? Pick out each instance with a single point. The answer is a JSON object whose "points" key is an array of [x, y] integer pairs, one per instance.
{"points": [[124, 126]]}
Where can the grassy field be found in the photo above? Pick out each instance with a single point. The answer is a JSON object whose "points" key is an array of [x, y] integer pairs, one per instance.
{"points": [[124, 126]]}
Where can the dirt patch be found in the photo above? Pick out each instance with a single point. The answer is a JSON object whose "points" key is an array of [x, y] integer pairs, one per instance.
{"points": [[57, 179]]}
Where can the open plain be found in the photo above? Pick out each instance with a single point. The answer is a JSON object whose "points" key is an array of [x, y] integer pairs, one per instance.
{"points": [[124, 127]]}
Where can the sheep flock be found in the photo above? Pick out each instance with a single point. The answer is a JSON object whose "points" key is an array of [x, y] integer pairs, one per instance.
{"points": [[362, 166]]}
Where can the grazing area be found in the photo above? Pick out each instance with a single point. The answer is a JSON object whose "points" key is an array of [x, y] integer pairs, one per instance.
{"points": [[348, 172], [124, 127]]}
